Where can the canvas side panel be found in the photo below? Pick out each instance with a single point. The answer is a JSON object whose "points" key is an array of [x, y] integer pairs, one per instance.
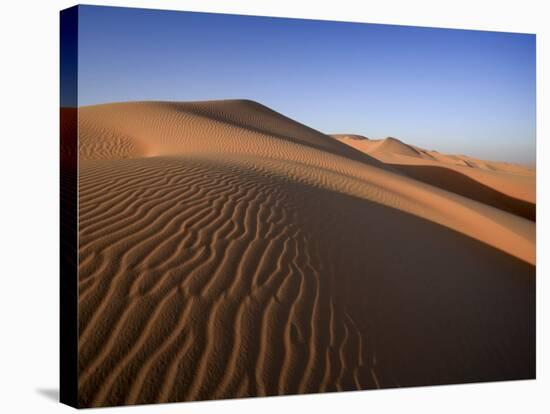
{"points": [[69, 206]]}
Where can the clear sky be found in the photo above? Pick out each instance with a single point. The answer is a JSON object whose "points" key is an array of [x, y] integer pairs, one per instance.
{"points": [[456, 91]]}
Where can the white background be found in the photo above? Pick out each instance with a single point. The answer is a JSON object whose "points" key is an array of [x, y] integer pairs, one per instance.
{"points": [[29, 205]]}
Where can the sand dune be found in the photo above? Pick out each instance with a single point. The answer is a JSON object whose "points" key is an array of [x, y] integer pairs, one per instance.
{"points": [[508, 187], [226, 251]]}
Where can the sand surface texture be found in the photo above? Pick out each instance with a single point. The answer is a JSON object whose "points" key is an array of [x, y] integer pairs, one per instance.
{"points": [[226, 250]]}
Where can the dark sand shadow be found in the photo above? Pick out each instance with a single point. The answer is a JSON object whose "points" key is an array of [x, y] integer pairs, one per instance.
{"points": [[458, 183]]}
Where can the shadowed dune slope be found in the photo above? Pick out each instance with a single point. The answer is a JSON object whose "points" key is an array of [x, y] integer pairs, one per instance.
{"points": [[508, 187], [228, 251], [459, 183]]}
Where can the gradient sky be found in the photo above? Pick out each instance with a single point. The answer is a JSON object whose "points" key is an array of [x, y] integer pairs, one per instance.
{"points": [[455, 91]]}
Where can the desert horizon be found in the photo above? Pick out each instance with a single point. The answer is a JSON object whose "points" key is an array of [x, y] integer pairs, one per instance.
{"points": [[355, 135], [226, 250], [335, 134]]}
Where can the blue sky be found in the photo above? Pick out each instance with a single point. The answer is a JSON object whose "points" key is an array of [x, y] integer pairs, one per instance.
{"points": [[457, 91]]}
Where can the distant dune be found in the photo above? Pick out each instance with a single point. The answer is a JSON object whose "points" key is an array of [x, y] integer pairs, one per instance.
{"points": [[229, 251], [509, 187]]}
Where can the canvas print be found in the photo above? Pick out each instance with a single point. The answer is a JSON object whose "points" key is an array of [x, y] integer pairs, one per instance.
{"points": [[256, 206]]}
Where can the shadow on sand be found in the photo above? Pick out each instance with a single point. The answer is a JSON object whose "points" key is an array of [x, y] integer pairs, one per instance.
{"points": [[460, 184]]}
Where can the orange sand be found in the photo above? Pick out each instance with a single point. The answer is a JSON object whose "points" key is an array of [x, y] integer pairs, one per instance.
{"points": [[228, 251]]}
